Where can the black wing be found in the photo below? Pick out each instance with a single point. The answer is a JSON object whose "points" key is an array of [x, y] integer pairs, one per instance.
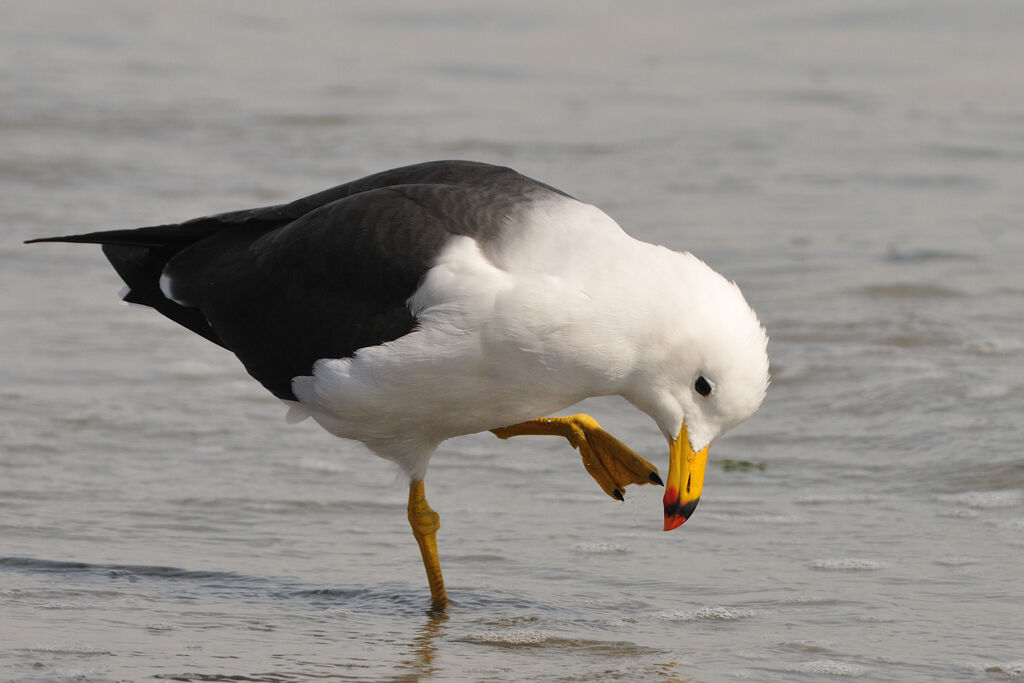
{"points": [[284, 286]]}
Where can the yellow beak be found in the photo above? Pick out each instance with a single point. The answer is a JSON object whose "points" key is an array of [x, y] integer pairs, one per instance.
{"points": [[685, 480]]}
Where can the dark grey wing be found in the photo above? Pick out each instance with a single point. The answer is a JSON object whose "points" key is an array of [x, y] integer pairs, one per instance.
{"points": [[322, 277], [323, 286], [336, 280]]}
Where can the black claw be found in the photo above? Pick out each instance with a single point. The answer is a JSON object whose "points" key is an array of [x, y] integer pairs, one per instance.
{"points": [[618, 494], [655, 479]]}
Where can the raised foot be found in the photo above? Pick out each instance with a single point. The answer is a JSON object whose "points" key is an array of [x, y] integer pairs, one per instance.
{"points": [[611, 463]]}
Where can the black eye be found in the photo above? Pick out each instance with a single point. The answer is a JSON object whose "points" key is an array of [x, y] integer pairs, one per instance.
{"points": [[702, 386]]}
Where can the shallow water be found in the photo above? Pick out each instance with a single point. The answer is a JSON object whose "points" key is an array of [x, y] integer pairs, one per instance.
{"points": [[856, 168]]}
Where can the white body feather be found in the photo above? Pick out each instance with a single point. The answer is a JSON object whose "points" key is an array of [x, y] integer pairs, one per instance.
{"points": [[563, 306]]}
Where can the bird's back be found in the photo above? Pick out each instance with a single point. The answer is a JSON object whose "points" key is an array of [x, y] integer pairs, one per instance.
{"points": [[321, 277]]}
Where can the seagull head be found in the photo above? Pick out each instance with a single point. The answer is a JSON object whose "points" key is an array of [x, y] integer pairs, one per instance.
{"points": [[705, 371]]}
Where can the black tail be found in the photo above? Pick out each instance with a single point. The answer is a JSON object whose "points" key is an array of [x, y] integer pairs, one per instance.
{"points": [[139, 257]]}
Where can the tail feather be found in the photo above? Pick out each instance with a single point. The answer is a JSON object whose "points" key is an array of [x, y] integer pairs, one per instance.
{"points": [[140, 268], [174, 236], [139, 257]]}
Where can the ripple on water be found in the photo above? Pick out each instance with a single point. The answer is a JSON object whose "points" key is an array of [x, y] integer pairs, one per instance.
{"points": [[194, 369], [600, 548], [508, 637], [752, 518], [809, 646], [708, 613], [1011, 670], [897, 255], [846, 564], [1017, 523], [159, 627], [993, 346], [572, 496], [830, 667], [532, 638], [959, 513], [33, 565], [987, 392], [909, 290], [1000, 476], [836, 499], [985, 500], [321, 466], [84, 651]]}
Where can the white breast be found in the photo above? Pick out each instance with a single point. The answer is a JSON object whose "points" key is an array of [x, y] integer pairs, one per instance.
{"points": [[509, 332]]}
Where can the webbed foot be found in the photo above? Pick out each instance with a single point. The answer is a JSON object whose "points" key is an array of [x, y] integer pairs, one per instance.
{"points": [[611, 463]]}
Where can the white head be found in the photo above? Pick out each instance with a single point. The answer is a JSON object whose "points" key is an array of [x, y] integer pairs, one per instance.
{"points": [[705, 370]]}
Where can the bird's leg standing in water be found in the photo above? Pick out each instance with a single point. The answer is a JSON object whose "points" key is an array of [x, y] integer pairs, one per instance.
{"points": [[425, 523], [611, 463]]}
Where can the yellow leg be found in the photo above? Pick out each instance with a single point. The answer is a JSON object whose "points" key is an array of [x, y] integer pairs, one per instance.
{"points": [[611, 463], [425, 523]]}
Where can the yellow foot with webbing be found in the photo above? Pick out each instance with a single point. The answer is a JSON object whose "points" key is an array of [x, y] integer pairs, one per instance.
{"points": [[611, 463]]}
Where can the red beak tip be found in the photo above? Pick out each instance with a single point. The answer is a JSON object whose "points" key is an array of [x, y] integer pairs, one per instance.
{"points": [[676, 513], [673, 522]]}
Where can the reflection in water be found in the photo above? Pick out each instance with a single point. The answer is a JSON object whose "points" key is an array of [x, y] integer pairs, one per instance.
{"points": [[419, 663]]}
